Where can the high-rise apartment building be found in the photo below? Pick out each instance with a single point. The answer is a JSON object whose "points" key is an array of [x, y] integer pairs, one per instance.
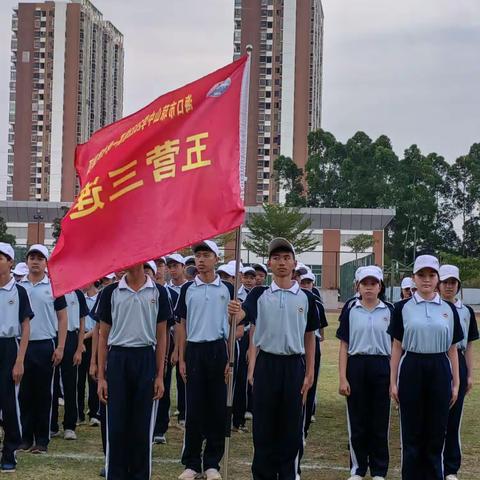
{"points": [[285, 84], [66, 82]]}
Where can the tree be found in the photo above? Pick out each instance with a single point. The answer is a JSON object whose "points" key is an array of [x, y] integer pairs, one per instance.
{"points": [[4, 235], [290, 178], [279, 221], [360, 243], [57, 225]]}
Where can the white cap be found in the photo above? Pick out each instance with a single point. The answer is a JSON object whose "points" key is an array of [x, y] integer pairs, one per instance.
{"points": [[449, 271], [42, 249], [151, 264], [370, 271], [407, 282], [301, 268], [175, 257], [357, 273], [7, 249], [209, 244], [260, 266], [228, 269], [308, 276], [426, 261], [20, 269], [233, 265], [189, 258], [163, 259], [246, 270], [280, 242], [110, 276]]}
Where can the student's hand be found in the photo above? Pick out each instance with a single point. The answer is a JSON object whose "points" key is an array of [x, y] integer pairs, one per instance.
{"points": [[250, 378], [102, 390], [307, 385], [158, 388], [57, 356], [93, 371], [174, 356], [394, 393], [344, 388], [454, 396], [182, 366], [84, 348], [17, 372], [234, 307], [77, 358], [227, 372], [469, 384]]}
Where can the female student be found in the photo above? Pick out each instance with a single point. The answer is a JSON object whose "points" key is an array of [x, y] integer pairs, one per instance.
{"points": [[449, 288], [424, 377], [364, 371]]}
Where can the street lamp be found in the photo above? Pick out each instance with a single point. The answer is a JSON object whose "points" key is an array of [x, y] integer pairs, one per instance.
{"points": [[38, 217]]}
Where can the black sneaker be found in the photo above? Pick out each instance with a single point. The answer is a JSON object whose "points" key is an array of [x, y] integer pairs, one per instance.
{"points": [[38, 449], [8, 468], [24, 447]]}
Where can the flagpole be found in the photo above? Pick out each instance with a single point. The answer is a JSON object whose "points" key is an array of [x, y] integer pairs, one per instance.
{"points": [[233, 320], [231, 354]]}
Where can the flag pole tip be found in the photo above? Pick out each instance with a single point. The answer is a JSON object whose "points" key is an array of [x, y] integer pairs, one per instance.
{"points": [[249, 48]]}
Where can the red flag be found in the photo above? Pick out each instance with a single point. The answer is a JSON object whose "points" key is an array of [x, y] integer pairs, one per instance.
{"points": [[165, 177]]}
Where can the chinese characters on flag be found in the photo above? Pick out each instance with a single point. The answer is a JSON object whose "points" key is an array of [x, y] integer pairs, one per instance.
{"points": [[163, 178]]}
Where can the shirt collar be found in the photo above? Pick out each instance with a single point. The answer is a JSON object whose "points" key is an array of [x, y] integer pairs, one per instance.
{"points": [[9, 285], [419, 299], [122, 284], [293, 289], [459, 304], [172, 285], [44, 280], [215, 282], [358, 303]]}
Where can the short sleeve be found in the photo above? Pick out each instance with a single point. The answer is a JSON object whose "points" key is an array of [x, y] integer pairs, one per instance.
{"points": [[395, 329], [104, 310], [84, 311], [343, 330], [250, 305], [165, 313], [313, 314], [230, 288], [458, 335], [60, 303], [25, 308], [181, 307], [321, 313], [473, 327], [94, 310]]}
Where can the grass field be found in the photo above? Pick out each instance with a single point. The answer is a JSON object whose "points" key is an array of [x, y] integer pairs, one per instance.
{"points": [[326, 455]]}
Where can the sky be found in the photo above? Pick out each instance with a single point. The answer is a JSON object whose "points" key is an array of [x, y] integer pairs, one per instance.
{"points": [[408, 69]]}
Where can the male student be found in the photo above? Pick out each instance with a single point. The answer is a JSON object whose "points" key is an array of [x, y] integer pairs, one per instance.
{"points": [[177, 270], [43, 354], [77, 310], [15, 316], [261, 273], [281, 363], [203, 361], [133, 317]]}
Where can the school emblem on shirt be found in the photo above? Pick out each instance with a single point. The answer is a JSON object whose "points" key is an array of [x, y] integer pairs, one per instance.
{"points": [[300, 309], [11, 302], [445, 315], [385, 319], [152, 300]]}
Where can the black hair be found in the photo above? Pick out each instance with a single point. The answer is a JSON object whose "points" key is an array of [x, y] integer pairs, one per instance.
{"points": [[456, 279], [8, 257]]}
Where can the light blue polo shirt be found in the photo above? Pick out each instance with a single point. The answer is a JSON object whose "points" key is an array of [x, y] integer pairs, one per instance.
{"points": [[89, 320], [365, 331], [426, 326], [133, 315], [45, 324], [281, 317], [469, 324], [14, 309], [204, 308], [76, 309]]}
